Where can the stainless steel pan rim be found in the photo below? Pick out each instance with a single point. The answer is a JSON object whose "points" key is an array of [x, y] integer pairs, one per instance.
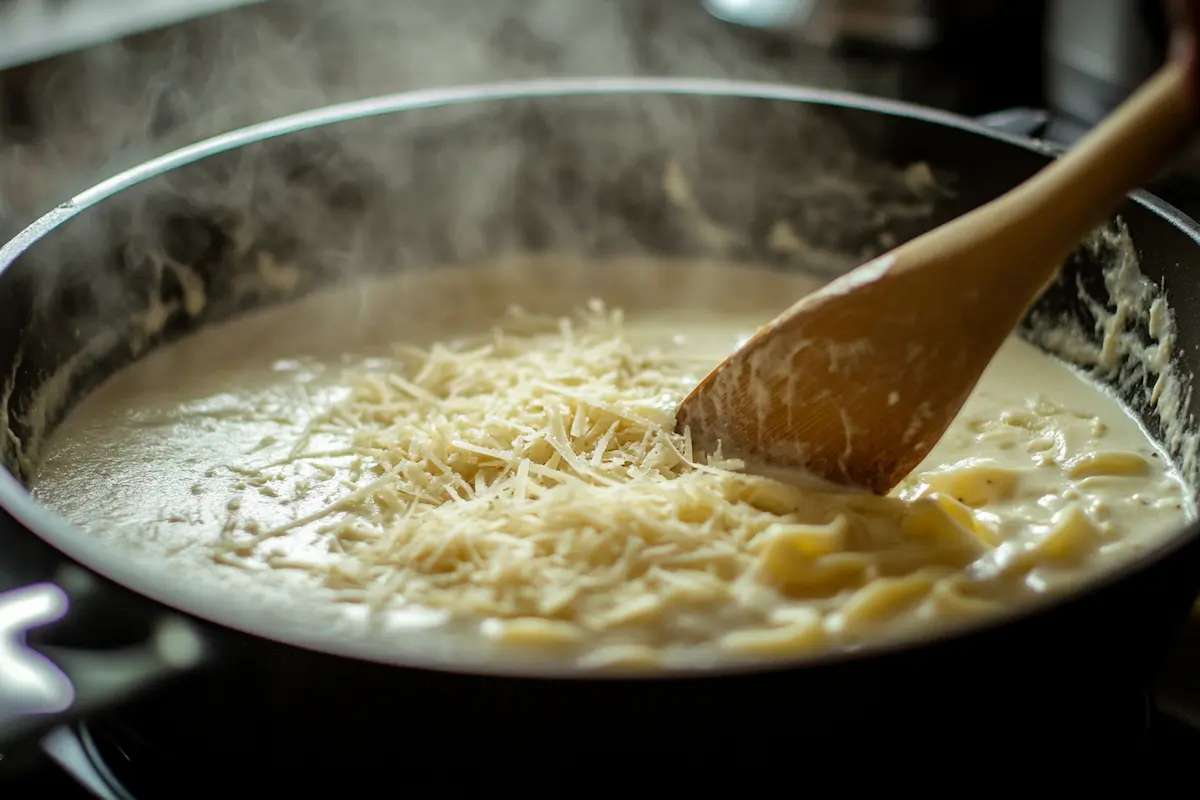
{"points": [[230, 613]]}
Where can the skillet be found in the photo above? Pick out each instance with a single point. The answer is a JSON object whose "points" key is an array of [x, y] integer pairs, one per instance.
{"points": [[410, 180]]}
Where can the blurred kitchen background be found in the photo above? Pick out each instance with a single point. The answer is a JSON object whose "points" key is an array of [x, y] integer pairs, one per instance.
{"points": [[91, 86]]}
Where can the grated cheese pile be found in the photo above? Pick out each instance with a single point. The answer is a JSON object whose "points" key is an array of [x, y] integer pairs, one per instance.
{"points": [[534, 474]]}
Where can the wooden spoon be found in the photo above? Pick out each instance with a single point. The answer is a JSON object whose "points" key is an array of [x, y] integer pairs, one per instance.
{"points": [[856, 382]]}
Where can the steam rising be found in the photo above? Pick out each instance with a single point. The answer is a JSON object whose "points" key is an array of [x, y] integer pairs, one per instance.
{"points": [[433, 187], [655, 174], [107, 108]]}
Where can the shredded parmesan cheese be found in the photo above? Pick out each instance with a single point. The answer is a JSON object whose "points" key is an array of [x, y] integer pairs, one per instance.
{"points": [[535, 474]]}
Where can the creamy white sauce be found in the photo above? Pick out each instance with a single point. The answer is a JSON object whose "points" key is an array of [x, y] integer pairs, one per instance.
{"points": [[142, 463]]}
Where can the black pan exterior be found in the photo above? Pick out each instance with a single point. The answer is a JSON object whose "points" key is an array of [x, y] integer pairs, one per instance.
{"points": [[587, 178]]}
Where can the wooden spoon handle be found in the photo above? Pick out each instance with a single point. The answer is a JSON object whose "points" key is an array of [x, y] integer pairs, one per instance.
{"points": [[1089, 182], [1015, 244]]}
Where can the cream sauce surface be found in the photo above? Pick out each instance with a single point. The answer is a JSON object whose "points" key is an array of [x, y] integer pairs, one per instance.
{"points": [[1054, 474]]}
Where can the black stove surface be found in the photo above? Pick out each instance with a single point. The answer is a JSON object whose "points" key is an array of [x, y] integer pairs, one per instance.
{"points": [[112, 760]]}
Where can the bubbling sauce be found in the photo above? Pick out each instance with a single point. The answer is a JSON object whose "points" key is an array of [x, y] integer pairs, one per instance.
{"points": [[383, 463]]}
